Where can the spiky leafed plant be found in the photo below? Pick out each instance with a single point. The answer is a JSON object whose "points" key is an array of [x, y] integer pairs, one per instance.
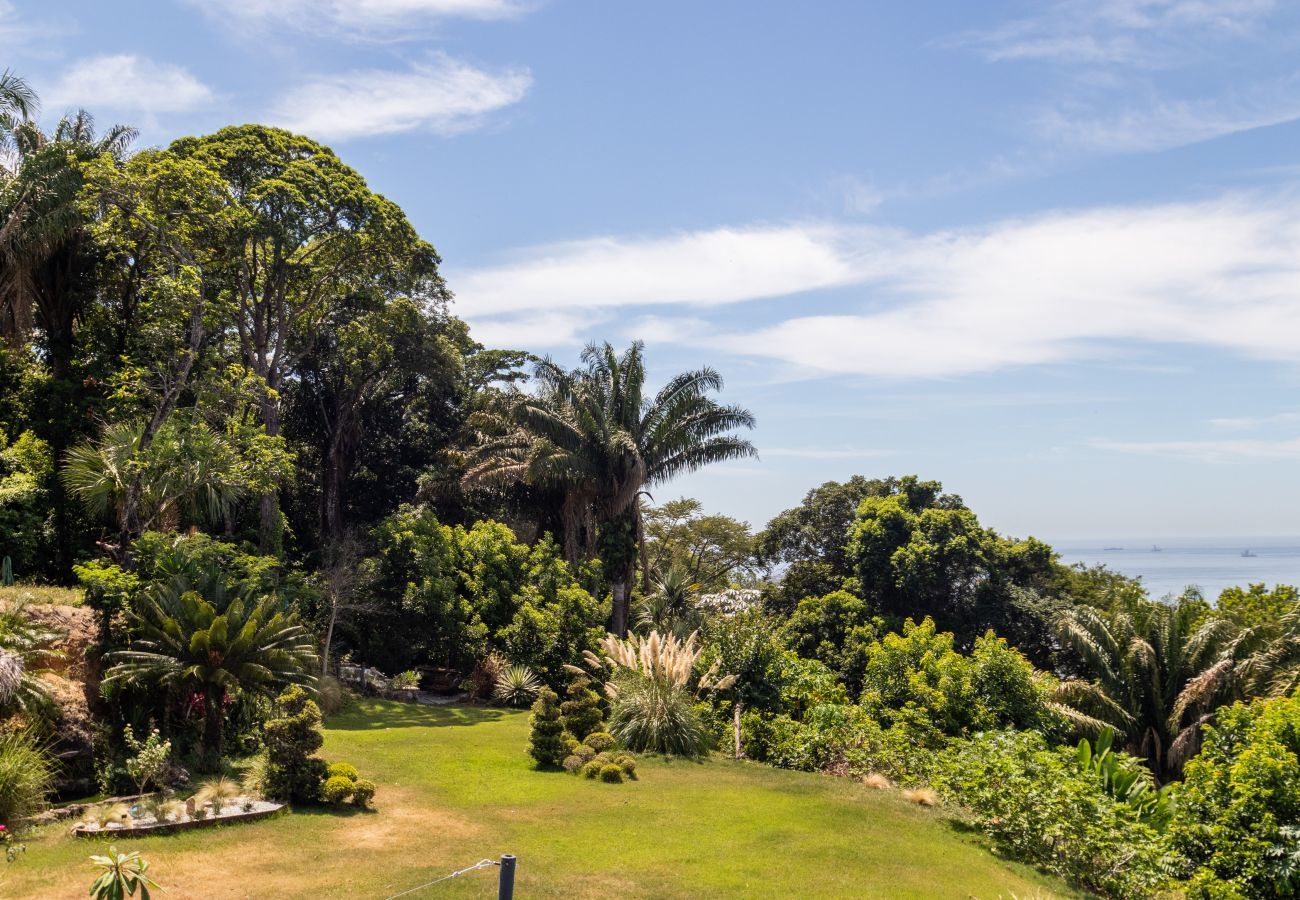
{"points": [[1269, 656], [653, 689], [26, 651], [670, 606], [596, 436], [1155, 675], [516, 686], [206, 635]]}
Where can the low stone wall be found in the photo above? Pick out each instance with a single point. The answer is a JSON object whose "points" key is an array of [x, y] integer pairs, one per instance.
{"points": [[187, 825]]}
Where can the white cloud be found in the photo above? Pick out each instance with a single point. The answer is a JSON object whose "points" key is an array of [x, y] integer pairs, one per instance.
{"points": [[1208, 451], [357, 17], [1164, 123], [541, 331], [823, 453], [1249, 423], [723, 265], [129, 83], [446, 97], [1144, 33], [1065, 287]]}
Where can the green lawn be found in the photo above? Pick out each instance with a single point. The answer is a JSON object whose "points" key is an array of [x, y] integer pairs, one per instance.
{"points": [[455, 786]]}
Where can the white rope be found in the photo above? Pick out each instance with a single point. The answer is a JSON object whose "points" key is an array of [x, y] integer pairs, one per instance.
{"points": [[481, 864]]}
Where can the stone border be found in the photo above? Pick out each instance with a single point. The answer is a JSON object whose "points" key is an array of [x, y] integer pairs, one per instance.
{"points": [[188, 825]]}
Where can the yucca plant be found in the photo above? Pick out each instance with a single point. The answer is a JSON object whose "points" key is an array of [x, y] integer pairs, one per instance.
{"points": [[123, 875], [653, 690], [517, 685]]}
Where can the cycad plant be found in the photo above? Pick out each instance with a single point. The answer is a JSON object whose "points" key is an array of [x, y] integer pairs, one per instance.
{"points": [[211, 637], [670, 606], [653, 689], [1155, 675], [26, 651]]}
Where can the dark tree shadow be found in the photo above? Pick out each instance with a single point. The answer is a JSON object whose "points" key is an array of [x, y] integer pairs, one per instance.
{"points": [[373, 715]]}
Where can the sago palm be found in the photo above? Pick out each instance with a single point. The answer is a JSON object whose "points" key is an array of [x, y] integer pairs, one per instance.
{"points": [[213, 638], [595, 432], [1155, 675], [670, 607]]}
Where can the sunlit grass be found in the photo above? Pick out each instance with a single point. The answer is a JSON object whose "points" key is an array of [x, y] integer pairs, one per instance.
{"points": [[41, 593], [455, 786]]}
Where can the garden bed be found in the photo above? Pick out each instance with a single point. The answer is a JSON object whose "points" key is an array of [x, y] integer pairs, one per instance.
{"points": [[234, 812]]}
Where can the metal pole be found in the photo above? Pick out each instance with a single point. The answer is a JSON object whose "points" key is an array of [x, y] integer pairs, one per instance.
{"points": [[506, 884]]}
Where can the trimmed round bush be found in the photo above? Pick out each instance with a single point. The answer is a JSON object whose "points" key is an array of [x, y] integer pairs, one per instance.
{"points": [[603, 759], [626, 762], [590, 769], [570, 742], [337, 789], [584, 753], [344, 770], [573, 763], [611, 774], [363, 792], [600, 741]]}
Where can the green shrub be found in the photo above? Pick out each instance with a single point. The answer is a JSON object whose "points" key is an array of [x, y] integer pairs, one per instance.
{"points": [[600, 741], [1038, 807], [345, 770], [626, 762], [652, 715], [546, 739], [292, 772], [584, 753], [581, 711], [26, 776], [337, 789], [1240, 802], [590, 769], [363, 792], [121, 875], [611, 774], [573, 763], [405, 681], [603, 759], [570, 742]]}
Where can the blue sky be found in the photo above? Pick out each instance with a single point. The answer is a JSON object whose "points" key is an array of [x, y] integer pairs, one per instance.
{"points": [[1048, 253]]}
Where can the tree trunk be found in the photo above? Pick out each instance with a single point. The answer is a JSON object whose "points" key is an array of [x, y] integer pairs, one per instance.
{"points": [[618, 613], [735, 726], [329, 638], [214, 715], [268, 532]]}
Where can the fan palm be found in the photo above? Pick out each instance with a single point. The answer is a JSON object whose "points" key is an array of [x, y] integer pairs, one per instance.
{"points": [[596, 435], [211, 637], [1155, 675], [26, 651]]}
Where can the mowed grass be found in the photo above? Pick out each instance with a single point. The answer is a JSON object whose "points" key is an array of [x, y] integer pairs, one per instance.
{"points": [[455, 786]]}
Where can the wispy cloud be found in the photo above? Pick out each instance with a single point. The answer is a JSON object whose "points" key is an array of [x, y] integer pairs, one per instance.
{"points": [[1069, 286], [1223, 451], [1249, 423], [723, 265], [358, 18], [444, 97], [824, 453], [1141, 33], [126, 82]]}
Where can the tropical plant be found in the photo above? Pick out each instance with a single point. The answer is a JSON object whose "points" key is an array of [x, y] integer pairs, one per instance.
{"points": [[26, 775], [217, 793], [670, 606], [123, 875], [653, 690], [1125, 778], [25, 654], [213, 637], [1155, 675], [405, 681], [516, 686], [596, 438]]}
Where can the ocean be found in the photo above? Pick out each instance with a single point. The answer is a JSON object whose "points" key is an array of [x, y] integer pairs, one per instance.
{"points": [[1211, 564]]}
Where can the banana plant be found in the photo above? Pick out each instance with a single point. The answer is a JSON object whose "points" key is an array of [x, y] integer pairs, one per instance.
{"points": [[123, 876], [1124, 778]]}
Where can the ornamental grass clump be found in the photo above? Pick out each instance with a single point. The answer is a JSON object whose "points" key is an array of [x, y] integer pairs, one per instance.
{"points": [[653, 690], [26, 776]]}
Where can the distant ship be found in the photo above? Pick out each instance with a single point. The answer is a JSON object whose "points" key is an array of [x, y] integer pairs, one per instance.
{"points": [[1111, 549], [1155, 549], [1248, 553]]}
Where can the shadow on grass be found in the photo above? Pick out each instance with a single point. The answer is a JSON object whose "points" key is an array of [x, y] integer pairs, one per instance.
{"points": [[334, 812], [375, 715]]}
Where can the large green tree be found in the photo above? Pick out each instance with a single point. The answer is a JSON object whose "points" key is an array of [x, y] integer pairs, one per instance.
{"points": [[596, 435], [305, 230]]}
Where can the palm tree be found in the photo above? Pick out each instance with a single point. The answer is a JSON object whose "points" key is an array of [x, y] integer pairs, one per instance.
{"points": [[1155, 674], [203, 634], [26, 651], [595, 435]]}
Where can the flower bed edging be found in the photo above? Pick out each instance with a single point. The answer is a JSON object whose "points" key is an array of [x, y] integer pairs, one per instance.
{"points": [[187, 825]]}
